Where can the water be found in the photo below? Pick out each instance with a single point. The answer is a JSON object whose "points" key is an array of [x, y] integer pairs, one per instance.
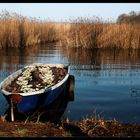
{"points": [[106, 81]]}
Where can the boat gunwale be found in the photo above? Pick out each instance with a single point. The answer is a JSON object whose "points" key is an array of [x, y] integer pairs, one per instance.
{"points": [[46, 89]]}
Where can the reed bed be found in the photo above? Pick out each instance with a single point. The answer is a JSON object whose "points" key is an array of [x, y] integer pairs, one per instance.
{"points": [[20, 31], [82, 33], [120, 36], [102, 35]]}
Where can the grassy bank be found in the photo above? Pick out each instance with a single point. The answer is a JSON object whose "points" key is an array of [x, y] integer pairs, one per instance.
{"points": [[19, 31], [88, 127]]}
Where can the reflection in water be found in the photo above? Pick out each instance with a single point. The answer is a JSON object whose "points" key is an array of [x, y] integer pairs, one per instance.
{"points": [[104, 78], [116, 58]]}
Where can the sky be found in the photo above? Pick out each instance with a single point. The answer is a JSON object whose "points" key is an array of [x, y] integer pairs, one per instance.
{"points": [[65, 11]]}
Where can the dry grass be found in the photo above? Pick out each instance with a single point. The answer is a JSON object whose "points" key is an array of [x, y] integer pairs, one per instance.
{"points": [[88, 34], [19, 31], [120, 36], [82, 34], [94, 126]]}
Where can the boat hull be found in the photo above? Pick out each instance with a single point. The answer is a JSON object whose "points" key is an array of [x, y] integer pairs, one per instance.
{"points": [[30, 103], [39, 101], [42, 111]]}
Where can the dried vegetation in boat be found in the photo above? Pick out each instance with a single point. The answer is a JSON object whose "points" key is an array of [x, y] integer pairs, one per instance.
{"points": [[36, 78]]}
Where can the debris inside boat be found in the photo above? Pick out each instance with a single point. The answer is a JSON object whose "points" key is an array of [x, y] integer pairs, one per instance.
{"points": [[35, 78]]}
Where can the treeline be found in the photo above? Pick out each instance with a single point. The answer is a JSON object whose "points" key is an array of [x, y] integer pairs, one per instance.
{"points": [[19, 31], [132, 17]]}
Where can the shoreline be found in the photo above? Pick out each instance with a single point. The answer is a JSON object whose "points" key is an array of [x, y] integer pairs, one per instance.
{"points": [[88, 127]]}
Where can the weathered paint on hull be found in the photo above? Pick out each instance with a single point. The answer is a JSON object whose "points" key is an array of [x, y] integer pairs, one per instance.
{"points": [[40, 101]]}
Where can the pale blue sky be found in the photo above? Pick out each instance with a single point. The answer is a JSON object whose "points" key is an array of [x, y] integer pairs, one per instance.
{"points": [[65, 11]]}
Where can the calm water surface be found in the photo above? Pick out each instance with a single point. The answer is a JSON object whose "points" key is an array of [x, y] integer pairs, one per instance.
{"points": [[107, 81]]}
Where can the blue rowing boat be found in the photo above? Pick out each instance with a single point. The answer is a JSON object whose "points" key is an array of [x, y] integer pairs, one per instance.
{"points": [[27, 103]]}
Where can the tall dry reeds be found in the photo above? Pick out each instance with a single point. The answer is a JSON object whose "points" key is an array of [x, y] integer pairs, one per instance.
{"points": [[82, 33], [91, 34], [120, 36], [20, 31]]}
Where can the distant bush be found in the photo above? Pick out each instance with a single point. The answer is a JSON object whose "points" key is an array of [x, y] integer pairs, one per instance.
{"points": [[132, 17]]}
